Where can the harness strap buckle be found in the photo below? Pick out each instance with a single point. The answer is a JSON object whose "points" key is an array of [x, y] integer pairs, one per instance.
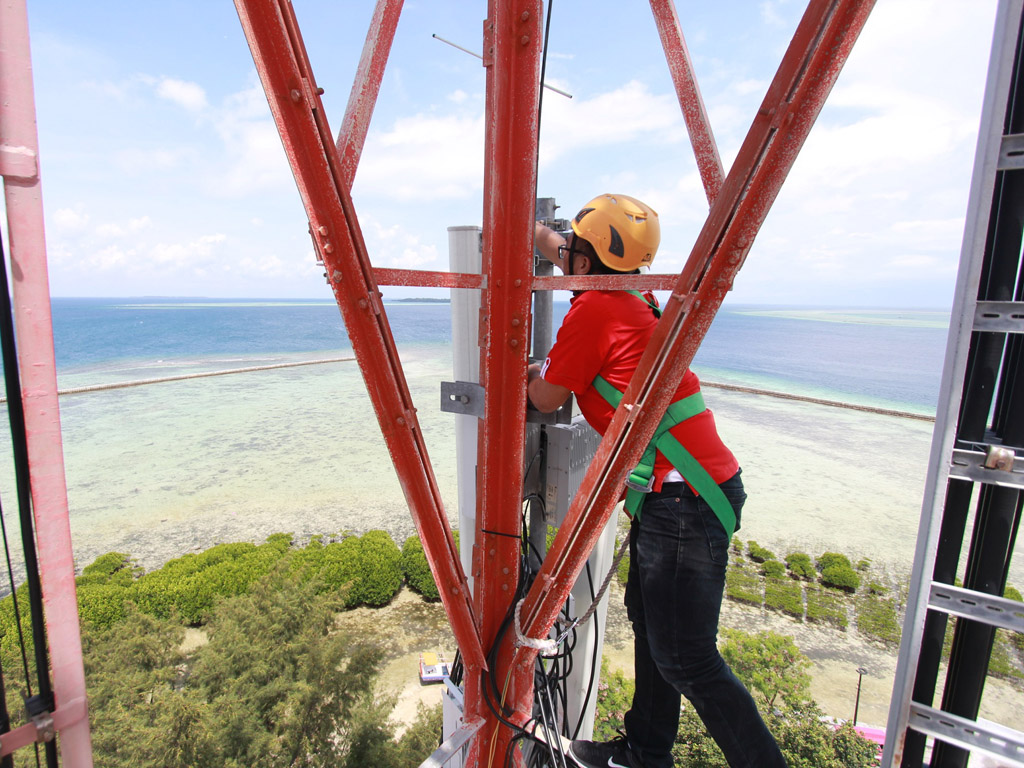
{"points": [[640, 485]]}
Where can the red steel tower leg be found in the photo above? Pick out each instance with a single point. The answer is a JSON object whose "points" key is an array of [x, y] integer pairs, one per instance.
{"points": [[19, 166], [513, 35]]}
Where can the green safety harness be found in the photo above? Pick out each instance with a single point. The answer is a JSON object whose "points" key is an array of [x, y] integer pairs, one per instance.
{"points": [[641, 479]]}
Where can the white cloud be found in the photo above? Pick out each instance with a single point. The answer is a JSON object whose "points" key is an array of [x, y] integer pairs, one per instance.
{"points": [[141, 161], [770, 14], [252, 148], [68, 220], [426, 155], [111, 229], [395, 246], [623, 115], [113, 257], [271, 265], [186, 254], [190, 96]]}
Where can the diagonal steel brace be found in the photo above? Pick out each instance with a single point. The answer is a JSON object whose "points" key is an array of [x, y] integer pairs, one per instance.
{"points": [[272, 32]]}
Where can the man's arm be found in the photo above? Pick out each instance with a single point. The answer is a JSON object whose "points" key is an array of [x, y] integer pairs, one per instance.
{"points": [[545, 396], [546, 241]]}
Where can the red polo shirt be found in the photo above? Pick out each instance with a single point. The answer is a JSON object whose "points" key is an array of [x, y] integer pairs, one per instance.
{"points": [[606, 333]]}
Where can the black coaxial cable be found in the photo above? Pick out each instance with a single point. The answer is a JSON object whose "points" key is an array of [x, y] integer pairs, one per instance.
{"points": [[43, 700]]}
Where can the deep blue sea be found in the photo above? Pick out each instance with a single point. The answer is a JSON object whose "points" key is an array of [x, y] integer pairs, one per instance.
{"points": [[885, 357]]}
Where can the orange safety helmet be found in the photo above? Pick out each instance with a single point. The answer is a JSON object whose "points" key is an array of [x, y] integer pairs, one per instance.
{"points": [[625, 232]]}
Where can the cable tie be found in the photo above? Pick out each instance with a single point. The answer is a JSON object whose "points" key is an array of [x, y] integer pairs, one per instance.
{"points": [[500, 533], [546, 646]]}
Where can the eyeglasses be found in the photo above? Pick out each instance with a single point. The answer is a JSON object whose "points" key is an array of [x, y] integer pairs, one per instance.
{"points": [[568, 250]]}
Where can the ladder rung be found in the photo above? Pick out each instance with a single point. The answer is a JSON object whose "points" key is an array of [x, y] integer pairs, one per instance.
{"points": [[1004, 316], [957, 601], [970, 465], [993, 738], [1011, 152]]}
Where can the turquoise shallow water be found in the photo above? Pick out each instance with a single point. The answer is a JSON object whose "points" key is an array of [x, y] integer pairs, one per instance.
{"points": [[162, 469]]}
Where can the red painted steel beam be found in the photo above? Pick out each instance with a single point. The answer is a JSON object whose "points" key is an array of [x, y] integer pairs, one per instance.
{"points": [[366, 86], [513, 35], [19, 164], [283, 66], [677, 55], [73, 754], [657, 282], [819, 49], [426, 279]]}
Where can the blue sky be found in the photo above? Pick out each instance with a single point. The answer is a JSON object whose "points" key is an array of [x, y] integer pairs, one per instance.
{"points": [[163, 173]]}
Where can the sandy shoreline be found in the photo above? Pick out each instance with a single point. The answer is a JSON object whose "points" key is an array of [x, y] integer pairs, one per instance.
{"points": [[818, 478]]}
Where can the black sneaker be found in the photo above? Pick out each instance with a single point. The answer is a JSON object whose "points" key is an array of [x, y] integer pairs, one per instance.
{"points": [[605, 754]]}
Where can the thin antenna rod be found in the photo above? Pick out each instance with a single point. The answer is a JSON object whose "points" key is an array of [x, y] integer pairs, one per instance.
{"points": [[559, 91]]}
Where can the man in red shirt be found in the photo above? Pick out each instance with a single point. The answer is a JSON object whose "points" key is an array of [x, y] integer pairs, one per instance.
{"points": [[680, 532]]}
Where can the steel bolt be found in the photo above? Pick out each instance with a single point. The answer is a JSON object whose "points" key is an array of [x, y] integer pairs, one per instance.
{"points": [[296, 96], [525, 16], [524, 40], [322, 229], [328, 248], [515, 322], [513, 343]]}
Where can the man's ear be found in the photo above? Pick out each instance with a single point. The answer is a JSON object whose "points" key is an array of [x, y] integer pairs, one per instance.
{"points": [[583, 265]]}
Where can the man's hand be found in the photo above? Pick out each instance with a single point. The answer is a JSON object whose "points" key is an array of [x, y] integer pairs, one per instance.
{"points": [[545, 396]]}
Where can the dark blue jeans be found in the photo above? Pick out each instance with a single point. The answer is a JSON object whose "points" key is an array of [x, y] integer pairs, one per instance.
{"points": [[678, 553]]}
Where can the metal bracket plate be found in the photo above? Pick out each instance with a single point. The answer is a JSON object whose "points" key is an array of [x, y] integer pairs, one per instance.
{"points": [[970, 465], [1011, 152], [18, 163], [45, 729], [999, 316], [465, 397], [993, 738], [957, 601]]}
